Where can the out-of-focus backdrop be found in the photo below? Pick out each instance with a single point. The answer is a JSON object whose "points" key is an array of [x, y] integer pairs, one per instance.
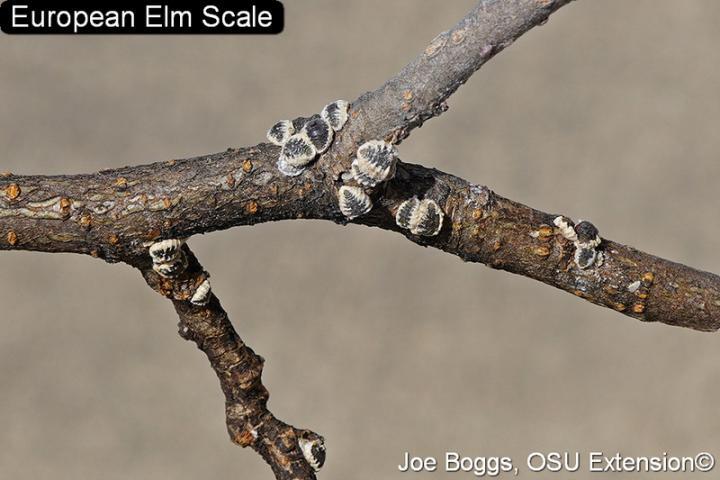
{"points": [[609, 112]]}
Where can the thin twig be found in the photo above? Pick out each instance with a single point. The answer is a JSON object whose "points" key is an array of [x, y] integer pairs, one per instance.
{"points": [[239, 370]]}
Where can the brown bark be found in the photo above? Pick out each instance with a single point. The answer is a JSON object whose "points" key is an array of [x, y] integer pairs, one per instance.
{"points": [[239, 370], [114, 214]]}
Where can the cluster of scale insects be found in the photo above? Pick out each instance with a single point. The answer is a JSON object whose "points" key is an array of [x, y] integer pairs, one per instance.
{"points": [[300, 149], [586, 238], [375, 163], [169, 261]]}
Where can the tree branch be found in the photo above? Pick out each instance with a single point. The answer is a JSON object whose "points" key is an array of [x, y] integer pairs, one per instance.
{"points": [[239, 370], [115, 214], [420, 90]]}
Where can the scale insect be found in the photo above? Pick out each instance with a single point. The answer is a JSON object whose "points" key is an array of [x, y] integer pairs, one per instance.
{"points": [[320, 133], [299, 149], [201, 297], [586, 238], [314, 452], [421, 217], [375, 163], [353, 201], [566, 227], [281, 132], [296, 154], [165, 250], [336, 114], [168, 258]]}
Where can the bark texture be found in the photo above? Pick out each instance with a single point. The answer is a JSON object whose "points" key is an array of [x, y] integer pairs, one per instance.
{"points": [[239, 370], [115, 215]]}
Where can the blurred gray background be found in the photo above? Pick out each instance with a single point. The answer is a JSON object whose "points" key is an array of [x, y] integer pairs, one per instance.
{"points": [[609, 112]]}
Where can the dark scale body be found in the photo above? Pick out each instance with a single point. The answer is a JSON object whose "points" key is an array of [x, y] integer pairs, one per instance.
{"points": [[280, 132], [320, 133], [336, 114], [405, 212], [380, 156], [585, 257], [431, 222], [586, 232], [354, 203], [362, 177], [297, 151]]}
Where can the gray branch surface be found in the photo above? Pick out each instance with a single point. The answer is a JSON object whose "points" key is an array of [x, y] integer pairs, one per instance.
{"points": [[115, 214]]}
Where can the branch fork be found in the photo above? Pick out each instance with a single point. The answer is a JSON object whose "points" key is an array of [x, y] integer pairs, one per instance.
{"points": [[132, 215]]}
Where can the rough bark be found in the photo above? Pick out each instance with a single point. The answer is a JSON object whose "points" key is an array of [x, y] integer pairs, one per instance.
{"points": [[239, 370], [114, 215]]}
